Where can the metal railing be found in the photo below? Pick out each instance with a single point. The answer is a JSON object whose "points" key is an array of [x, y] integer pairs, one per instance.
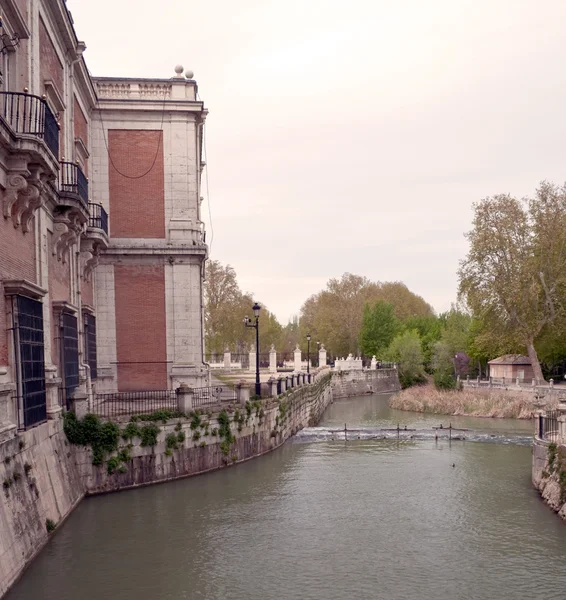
{"points": [[98, 217], [206, 396], [73, 181], [30, 114], [548, 426], [133, 403]]}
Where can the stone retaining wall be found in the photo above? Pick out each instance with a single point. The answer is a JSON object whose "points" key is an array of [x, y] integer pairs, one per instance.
{"points": [[40, 480], [59, 474], [346, 384], [546, 478]]}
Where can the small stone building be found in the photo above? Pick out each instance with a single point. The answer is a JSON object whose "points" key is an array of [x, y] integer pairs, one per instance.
{"points": [[511, 366]]}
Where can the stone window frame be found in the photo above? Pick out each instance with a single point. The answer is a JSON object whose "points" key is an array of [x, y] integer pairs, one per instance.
{"points": [[28, 289]]}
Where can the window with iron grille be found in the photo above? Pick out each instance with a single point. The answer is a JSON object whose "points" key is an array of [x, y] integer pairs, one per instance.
{"points": [[90, 344], [30, 360], [70, 351]]}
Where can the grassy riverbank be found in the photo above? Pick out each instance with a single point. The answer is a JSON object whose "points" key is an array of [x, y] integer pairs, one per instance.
{"points": [[474, 403]]}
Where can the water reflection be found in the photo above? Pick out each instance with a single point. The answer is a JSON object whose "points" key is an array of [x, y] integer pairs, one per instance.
{"points": [[367, 519]]}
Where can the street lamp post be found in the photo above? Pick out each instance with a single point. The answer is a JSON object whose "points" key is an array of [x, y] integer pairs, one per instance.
{"points": [[308, 353], [248, 323]]}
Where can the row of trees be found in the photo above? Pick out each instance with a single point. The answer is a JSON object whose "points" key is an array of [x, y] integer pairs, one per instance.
{"points": [[513, 285], [225, 308], [512, 294], [334, 316]]}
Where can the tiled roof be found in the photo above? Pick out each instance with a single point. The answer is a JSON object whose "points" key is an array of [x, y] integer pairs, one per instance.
{"points": [[510, 359]]}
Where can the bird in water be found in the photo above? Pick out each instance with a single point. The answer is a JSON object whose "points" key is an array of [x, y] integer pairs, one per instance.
{"points": [[453, 464]]}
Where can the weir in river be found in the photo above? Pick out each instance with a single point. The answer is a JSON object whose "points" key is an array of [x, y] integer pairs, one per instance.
{"points": [[395, 518]]}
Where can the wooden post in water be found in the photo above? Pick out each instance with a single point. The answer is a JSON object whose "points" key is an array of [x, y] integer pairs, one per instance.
{"points": [[450, 431], [345, 433]]}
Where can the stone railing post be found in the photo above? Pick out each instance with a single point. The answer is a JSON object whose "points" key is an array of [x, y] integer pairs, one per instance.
{"points": [[243, 392], [551, 383], [272, 387], [227, 359], [517, 382], [297, 359], [561, 425], [281, 385], [322, 356], [490, 382], [80, 404], [8, 407], [52, 386], [184, 398], [251, 357], [272, 360]]}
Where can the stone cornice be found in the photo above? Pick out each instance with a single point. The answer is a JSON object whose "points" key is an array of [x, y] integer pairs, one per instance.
{"points": [[62, 306], [162, 254], [23, 287], [15, 19], [87, 309], [85, 84], [153, 105]]}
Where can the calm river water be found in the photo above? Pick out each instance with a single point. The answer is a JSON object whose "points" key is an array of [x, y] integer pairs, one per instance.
{"points": [[322, 519]]}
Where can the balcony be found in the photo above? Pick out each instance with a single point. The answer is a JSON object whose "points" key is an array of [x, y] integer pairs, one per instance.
{"points": [[94, 240], [73, 186], [30, 115], [98, 218]]}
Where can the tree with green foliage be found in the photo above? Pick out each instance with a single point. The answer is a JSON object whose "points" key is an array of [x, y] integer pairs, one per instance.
{"points": [[444, 376], [379, 327], [225, 307], [429, 328], [513, 278], [334, 316], [406, 351]]}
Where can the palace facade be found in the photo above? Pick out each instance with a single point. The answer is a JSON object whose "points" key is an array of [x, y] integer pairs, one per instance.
{"points": [[102, 247]]}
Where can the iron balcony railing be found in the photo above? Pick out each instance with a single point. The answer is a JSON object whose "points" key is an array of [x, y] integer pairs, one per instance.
{"points": [[98, 217], [73, 181], [30, 114]]}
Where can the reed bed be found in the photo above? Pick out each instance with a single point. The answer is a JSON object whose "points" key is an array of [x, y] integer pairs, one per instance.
{"points": [[494, 403]]}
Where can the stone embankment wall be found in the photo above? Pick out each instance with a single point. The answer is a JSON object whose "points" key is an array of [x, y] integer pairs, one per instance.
{"points": [[346, 384], [44, 476], [40, 482], [257, 430], [549, 474]]}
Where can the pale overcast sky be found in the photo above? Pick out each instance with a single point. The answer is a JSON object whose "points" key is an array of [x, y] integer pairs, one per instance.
{"points": [[352, 136]]}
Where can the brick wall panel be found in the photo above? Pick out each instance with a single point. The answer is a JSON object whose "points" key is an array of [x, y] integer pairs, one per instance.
{"points": [[50, 65], [59, 290], [81, 124], [140, 327], [137, 206], [17, 261], [87, 295]]}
